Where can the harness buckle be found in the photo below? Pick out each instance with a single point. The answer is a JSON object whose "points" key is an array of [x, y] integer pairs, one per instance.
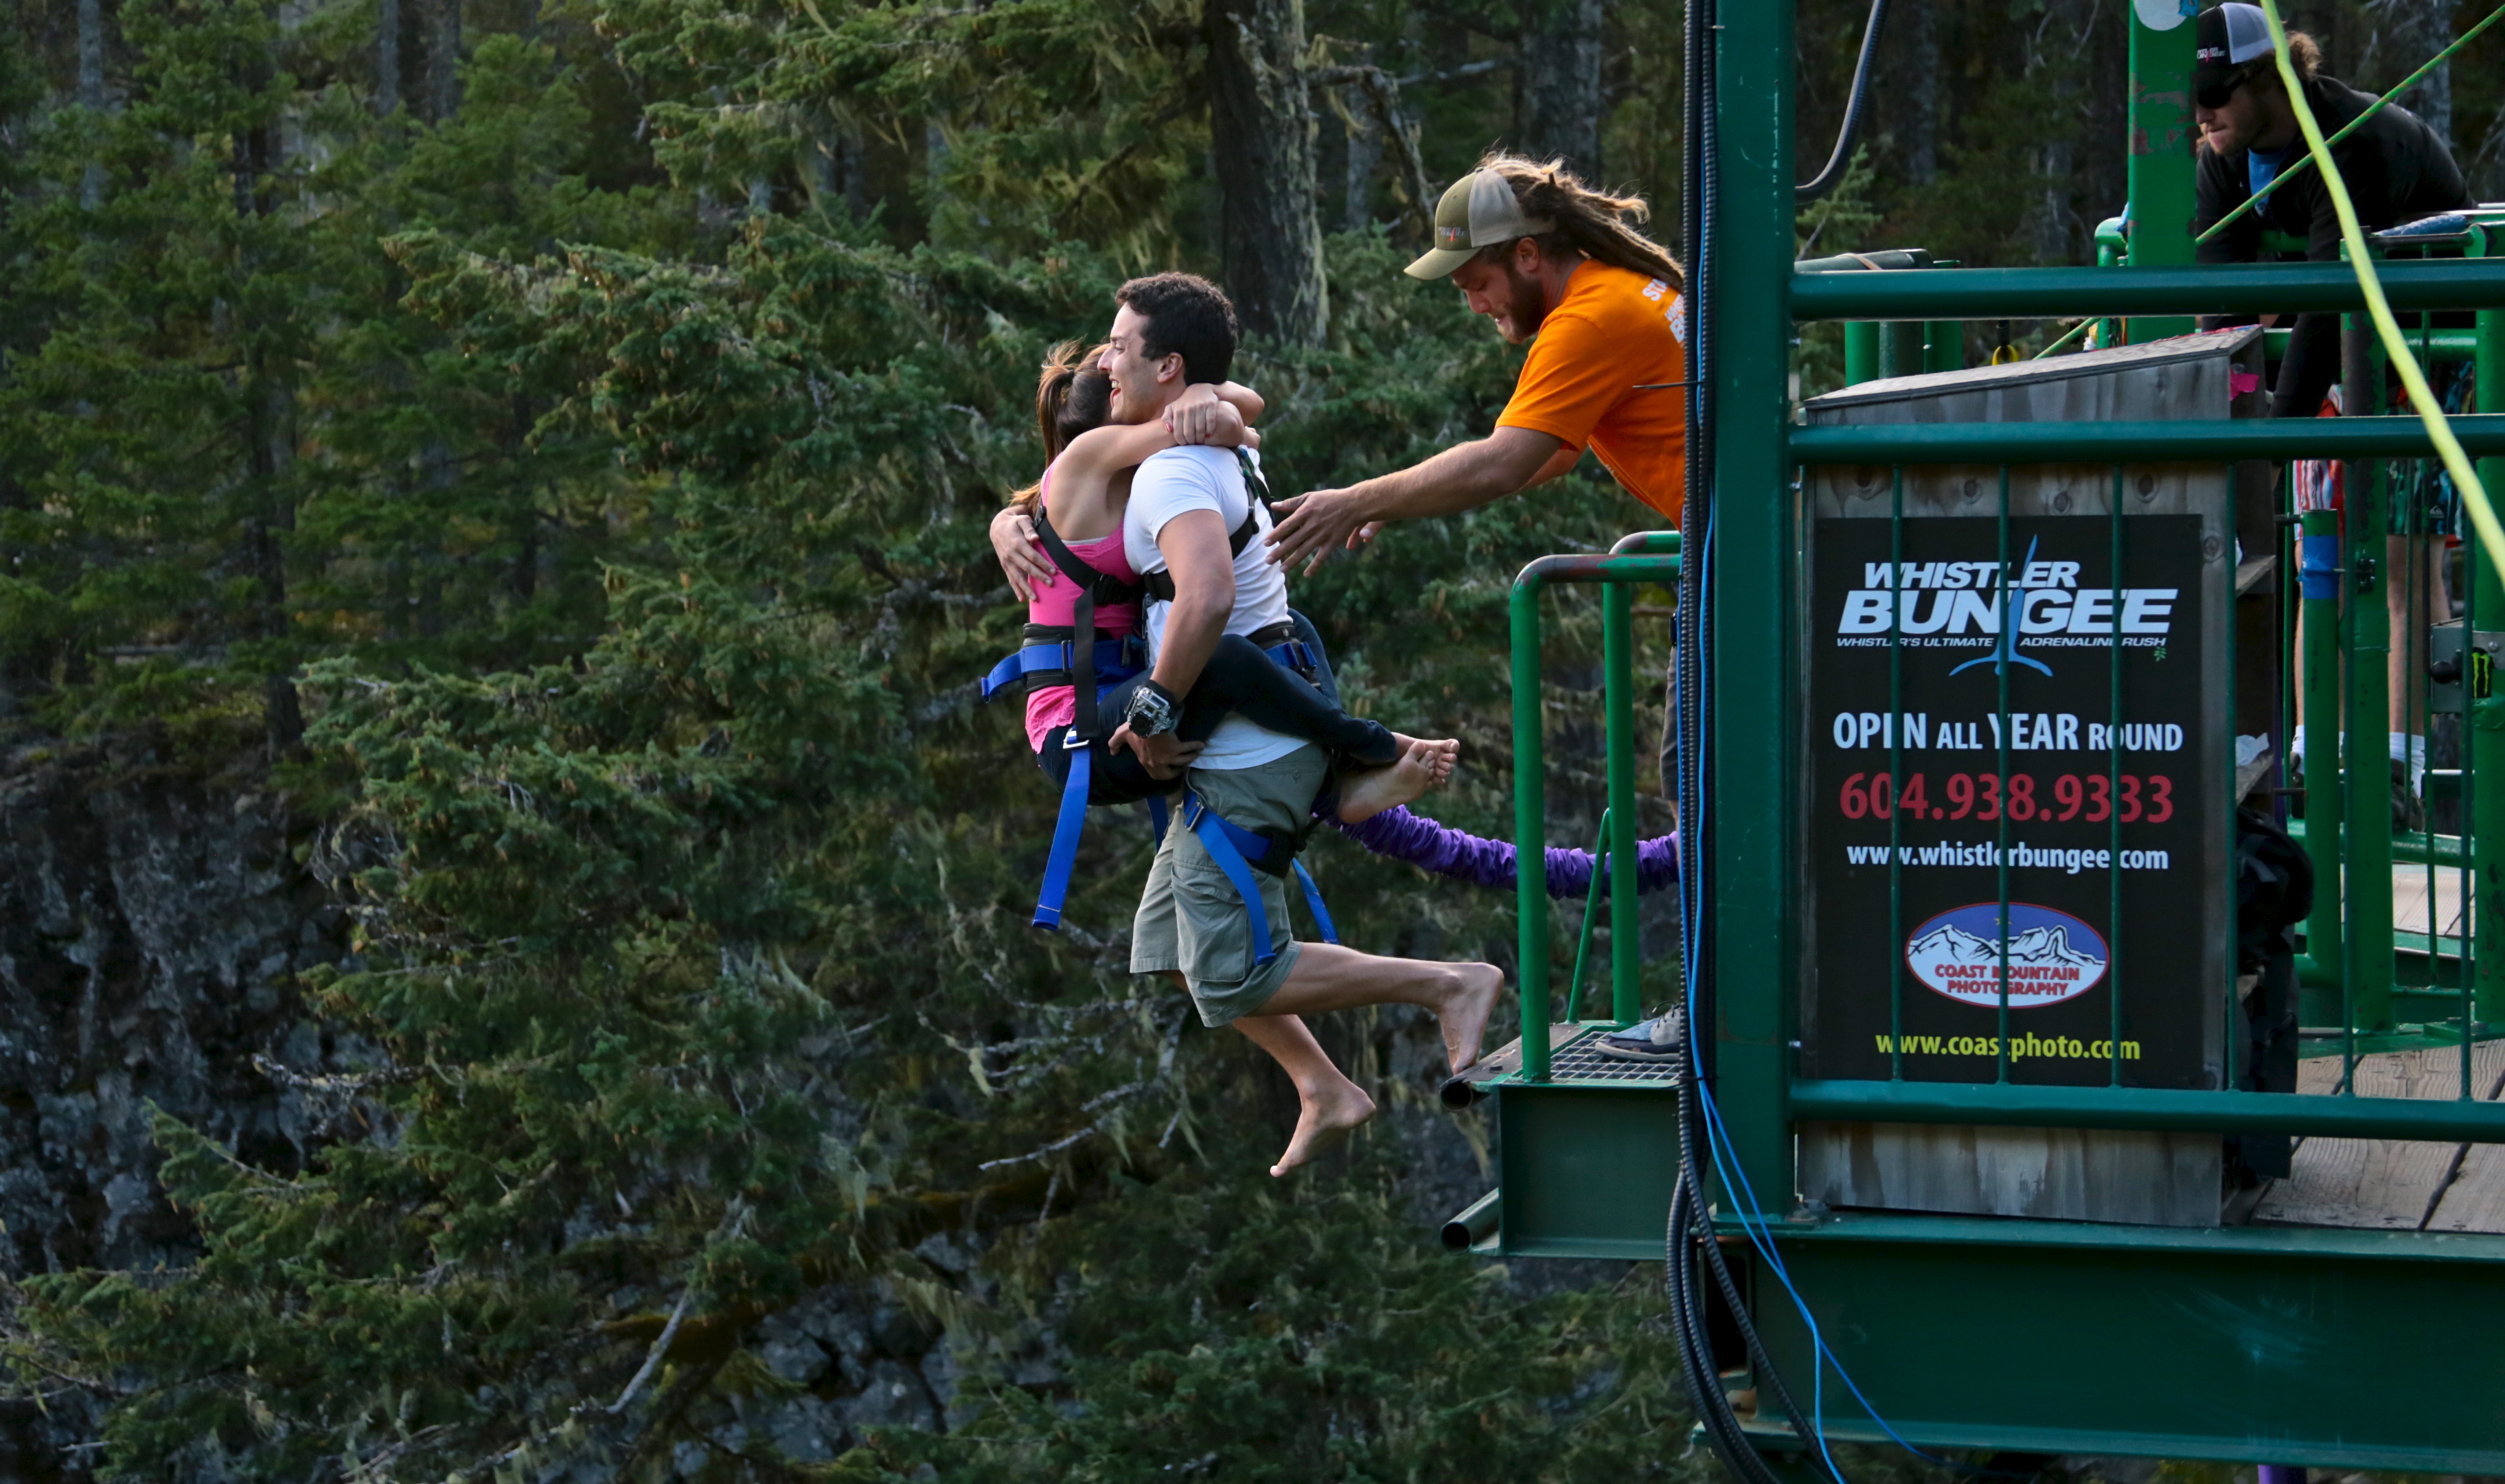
{"points": [[1072, 742]]}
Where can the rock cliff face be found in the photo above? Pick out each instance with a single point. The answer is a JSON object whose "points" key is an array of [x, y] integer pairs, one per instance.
{"points": [[152, 924]]}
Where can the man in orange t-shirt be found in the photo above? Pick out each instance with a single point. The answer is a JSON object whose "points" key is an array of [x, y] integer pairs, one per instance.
{"points": [[1541, 254]]}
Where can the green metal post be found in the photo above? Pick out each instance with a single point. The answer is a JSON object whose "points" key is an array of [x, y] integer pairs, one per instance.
{"points": [[1641, 558], [1529, 826], [1901, 347], [1618, 821], [2486, 744], [1860, 351], [1753, 682], [2366, 857], [1944, 345], [2318, 1002], [2161, 172]]}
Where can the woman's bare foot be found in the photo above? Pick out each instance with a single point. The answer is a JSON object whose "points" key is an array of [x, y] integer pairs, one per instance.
{"points": [[1420, 766], [1328, 1114], [1465, 1013], [1442, 752]]}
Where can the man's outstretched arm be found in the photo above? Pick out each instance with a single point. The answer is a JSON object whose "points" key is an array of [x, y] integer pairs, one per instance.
{"points": [[1458, 479]]}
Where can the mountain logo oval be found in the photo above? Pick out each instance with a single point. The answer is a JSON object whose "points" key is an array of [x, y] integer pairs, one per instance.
{"points": [[2053, 956]]}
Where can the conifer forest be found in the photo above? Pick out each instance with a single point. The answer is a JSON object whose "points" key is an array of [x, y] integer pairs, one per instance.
{"points": [[515, 958]]}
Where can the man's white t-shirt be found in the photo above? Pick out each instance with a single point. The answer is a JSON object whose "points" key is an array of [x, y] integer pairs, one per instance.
{"points": [[1205, 478]]}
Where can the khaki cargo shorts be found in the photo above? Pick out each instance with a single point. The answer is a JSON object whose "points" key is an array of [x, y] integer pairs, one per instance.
{"points": [[1193, 919]]}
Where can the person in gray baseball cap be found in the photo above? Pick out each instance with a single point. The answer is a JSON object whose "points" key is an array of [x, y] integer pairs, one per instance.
{"points": [[1558, 263]]}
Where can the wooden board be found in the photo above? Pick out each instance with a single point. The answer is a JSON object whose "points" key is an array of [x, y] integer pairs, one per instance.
{"points": [[2066, 1175], [2387, 1184]]}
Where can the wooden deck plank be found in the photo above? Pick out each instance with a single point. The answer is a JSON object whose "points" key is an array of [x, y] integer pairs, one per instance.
{"points": [[2391, 1185], [2380, 1183]]}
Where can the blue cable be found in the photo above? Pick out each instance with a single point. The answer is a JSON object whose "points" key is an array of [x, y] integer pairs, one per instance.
{"points": [[1753, 1223]]}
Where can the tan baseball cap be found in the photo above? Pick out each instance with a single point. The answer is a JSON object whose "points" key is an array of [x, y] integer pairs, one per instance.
{"points": [[1478, 211]]}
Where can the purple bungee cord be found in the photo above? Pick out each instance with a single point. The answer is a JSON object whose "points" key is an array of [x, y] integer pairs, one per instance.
{"points": [[1462, 856]]}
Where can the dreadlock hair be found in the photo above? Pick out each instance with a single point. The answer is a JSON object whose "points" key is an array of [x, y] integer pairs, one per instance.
{"points": [[1592, 222], [1072, 395]]}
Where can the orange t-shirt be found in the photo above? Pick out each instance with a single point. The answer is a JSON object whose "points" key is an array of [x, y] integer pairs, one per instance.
{"points": [[1615, 330]]}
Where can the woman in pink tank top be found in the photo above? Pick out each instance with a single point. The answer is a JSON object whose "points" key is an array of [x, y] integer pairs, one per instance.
{"points": [[1077, 507]]}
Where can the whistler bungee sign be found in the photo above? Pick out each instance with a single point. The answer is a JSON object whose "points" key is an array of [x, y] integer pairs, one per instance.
{"points": [[2012, 817]]}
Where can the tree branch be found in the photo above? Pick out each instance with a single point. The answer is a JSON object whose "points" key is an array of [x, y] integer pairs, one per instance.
{"points": [[1385, 92]]}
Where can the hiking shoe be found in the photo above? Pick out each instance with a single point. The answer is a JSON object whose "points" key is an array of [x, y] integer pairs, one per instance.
{"points": [[1658, 1039]]}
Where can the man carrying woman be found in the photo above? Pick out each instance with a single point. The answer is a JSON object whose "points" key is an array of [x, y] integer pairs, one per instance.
{"points": [[1189, 534]]}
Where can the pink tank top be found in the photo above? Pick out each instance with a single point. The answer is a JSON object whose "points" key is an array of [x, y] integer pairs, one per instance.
{"points": [[1052, 708]]}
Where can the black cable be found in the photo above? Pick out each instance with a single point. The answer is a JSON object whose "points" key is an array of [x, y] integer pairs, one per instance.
{"points": [[1689, 1226], [1855, 104], [1722, 1431]]}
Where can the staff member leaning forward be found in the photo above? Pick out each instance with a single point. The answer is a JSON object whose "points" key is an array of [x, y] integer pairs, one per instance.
{"points": [[1560, 265]]}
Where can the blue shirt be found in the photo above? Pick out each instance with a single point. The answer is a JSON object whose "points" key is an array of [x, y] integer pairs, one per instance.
{"points": [[2262, 166]]}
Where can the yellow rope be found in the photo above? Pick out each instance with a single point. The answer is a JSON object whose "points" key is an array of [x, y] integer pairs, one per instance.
{"points": [[2474, 495]]}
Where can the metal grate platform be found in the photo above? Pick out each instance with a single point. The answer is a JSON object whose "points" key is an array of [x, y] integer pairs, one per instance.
{"points": [[1581, 1061]]}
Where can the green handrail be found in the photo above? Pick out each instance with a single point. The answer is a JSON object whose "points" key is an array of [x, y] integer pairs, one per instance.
{"points": [[2149, 1108], [1530, 772], [2145, 443], [2063, 292]]}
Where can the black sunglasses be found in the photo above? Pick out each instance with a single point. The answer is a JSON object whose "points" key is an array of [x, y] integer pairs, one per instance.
{"points": [[2217, 94]]}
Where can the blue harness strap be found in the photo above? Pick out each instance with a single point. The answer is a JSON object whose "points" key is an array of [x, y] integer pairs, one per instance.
{"points": [[1236, 850], [1220, 837], [1064, 837], [1116, 660], [1314, 900], [1294, 654]]}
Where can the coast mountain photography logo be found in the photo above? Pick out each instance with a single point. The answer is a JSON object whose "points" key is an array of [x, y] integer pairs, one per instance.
{"points": [[2053, 956]]}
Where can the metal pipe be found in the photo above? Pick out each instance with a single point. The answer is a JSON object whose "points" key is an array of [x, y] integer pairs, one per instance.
{"points": [[1530, 772], [1860, 352], [2319, 579], [1476, 1223], [1530, 823], [2408, 848], [1618, 821], [2437, 345], [1647, 544], [2486, 745], [2189, 441], [1754, 684], [2159, 171], [2244, 288], [2366, 840], [2025, 1106]]}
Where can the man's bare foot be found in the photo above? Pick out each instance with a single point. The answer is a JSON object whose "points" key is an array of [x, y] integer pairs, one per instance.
{"points": [[1324, 1121], [1465, 1013], [1420, 766]]}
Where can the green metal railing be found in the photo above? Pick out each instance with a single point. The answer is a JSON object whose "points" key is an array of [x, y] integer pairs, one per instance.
{"points": [[2249, 1344], [2351, 938], [1646, 558]]}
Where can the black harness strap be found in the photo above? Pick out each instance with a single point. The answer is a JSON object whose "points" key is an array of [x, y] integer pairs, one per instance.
{"points": [[1159, 585], [1093, 586]]}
